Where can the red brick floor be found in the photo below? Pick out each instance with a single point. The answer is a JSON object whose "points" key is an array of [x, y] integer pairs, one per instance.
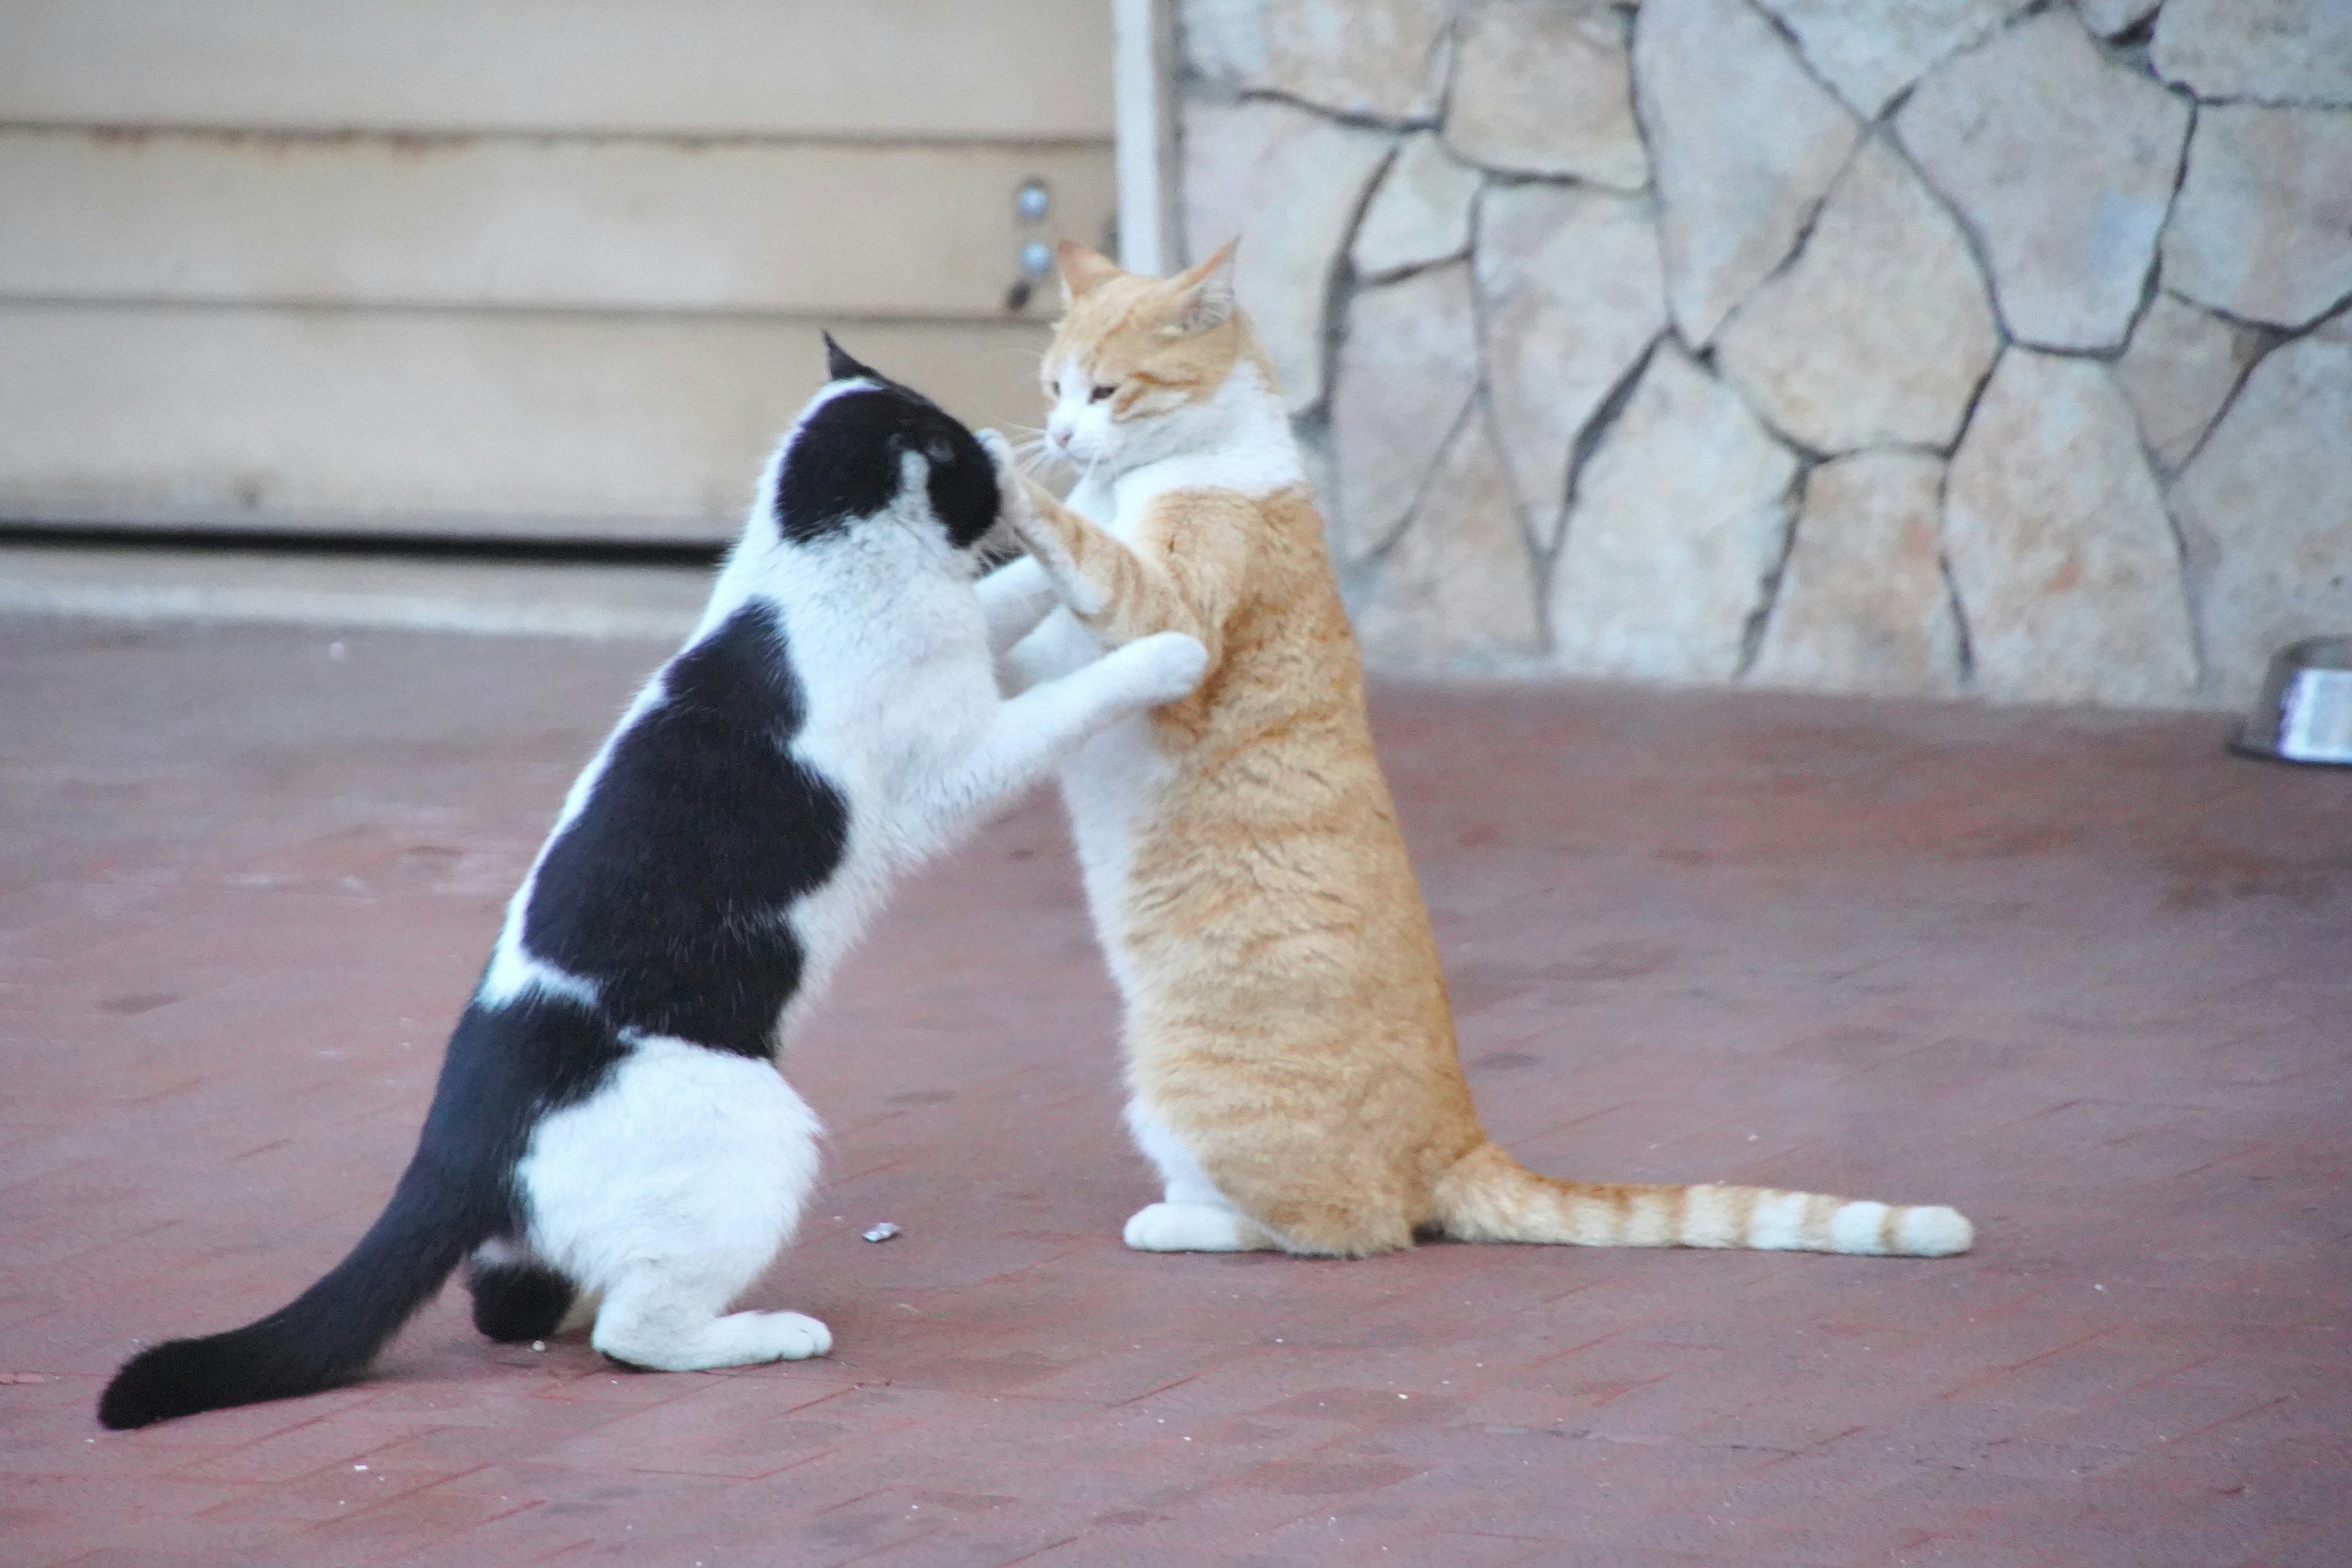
{"points": [[2083, 975]]}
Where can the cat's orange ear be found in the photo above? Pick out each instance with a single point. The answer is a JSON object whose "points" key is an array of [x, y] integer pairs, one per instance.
{"points": [[1204, 294], [1081, 269]]}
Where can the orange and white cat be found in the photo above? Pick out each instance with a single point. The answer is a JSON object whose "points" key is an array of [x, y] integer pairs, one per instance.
{"points": [[1290, 1052]]}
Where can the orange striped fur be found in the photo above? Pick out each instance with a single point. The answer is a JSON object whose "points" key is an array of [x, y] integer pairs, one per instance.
{"points": [[1290, 1051]]}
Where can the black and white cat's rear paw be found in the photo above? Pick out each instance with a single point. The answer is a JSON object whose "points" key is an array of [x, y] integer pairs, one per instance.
{"points": [[1165, 667], [738, 1339]]}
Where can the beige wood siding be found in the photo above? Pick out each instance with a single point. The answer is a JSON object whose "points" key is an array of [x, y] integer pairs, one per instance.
{"points": [[508, 269]]}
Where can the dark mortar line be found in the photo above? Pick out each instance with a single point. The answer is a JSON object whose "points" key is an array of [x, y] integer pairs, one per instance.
{"points": [[1339, 287], [1399, 126], [1449, 39], [2129, 48], [1804, 450], [1410, 270], [1538, 573], [1966, 650], [1482, 405], [2152, 281], [2190, 607], [1493, 175], [1795, 47], [2139, 33], [2310, 105], [1978, 253], [2270, 328], [1976, 398], [1751, 635], [1595, 429], [1425, 485], [1597, 423], [1798, 245]]}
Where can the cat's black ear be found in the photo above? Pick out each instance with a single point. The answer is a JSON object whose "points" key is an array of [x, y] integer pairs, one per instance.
{"points": [[839, 366]]}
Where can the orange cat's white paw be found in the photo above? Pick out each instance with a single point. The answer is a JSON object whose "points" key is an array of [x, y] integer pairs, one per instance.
{"points": [[1168, 665], [1184, 1228]]}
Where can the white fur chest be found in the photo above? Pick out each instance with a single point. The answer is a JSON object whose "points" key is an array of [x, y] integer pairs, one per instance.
{"points": [[895, 684]]}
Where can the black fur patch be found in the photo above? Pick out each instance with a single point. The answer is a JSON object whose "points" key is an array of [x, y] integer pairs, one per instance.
{"points": [[845, 461], [515, 1302], [669, 890]]}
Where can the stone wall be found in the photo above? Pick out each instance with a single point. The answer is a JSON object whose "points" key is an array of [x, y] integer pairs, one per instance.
{"points": [[1920, 346]]}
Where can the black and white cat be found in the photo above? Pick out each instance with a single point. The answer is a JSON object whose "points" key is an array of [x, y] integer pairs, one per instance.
{"points": [[610, 1134]]}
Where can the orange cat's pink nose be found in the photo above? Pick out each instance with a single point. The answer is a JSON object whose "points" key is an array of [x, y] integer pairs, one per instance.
{"points": [[1057, 432]]}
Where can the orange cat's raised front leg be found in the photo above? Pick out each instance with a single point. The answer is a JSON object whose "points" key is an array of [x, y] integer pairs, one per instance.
{"points": [[1179, 576]]}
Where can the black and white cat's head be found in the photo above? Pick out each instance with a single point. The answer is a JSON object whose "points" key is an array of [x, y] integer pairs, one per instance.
{"points": [[868, 446]]}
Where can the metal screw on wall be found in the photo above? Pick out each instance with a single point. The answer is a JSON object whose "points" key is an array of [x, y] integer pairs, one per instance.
{"points": [[1030, 204]]}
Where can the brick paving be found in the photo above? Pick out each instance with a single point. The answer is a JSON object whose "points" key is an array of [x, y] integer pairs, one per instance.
{"points": [[2083, 975]]}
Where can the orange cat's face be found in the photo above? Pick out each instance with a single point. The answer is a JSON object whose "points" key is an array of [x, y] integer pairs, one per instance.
{"points": [[1132, 355]]}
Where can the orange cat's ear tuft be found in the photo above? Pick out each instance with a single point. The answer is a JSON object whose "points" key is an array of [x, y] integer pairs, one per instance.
{"points": [[1204, 294], [1081, 269]]}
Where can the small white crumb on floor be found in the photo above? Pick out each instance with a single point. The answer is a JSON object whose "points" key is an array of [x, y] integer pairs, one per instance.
{"points": [[882, 1231]]}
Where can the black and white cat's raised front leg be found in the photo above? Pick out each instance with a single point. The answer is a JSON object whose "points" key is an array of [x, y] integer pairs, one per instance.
{"points": [[1036, 732]]}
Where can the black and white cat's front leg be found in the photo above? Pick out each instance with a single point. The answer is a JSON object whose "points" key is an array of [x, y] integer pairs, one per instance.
{"points": [[1031, 734]]}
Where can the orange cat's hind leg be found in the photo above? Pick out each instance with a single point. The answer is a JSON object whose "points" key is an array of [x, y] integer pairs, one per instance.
{"points": [[1200, 1213], [1195, 1217], [1322, 1229]]}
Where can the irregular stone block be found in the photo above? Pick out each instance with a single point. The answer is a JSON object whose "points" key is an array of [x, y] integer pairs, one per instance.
{"points": [[1862, 605], [1381, 58], [1458, 591], [1879, 331], [1870, 53], [2182, 366], [2068, 575], [2271, 52], [1573, 297], [1679, 518], [2109, 17], [1407, 369], [1541, 87], [2266, 509], [1290, 183], [2064, 164], [1743, 143], [2264, 226], [1420, 213]]}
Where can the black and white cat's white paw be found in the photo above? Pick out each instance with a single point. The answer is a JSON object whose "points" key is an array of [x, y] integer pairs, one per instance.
{"points": [[1165, 667], [738, 1339], [1011, 499], [786, 1336]]}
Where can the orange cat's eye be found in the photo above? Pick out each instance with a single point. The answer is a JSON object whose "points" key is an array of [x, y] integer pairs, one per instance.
{"points": [[1100, 392]]}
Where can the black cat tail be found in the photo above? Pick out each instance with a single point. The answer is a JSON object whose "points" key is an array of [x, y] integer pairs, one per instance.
{"points": [[506, 1065], [326, 1336]]}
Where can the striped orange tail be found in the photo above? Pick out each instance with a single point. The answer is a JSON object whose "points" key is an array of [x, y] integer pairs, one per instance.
{"points": [[1489, 1196]]}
